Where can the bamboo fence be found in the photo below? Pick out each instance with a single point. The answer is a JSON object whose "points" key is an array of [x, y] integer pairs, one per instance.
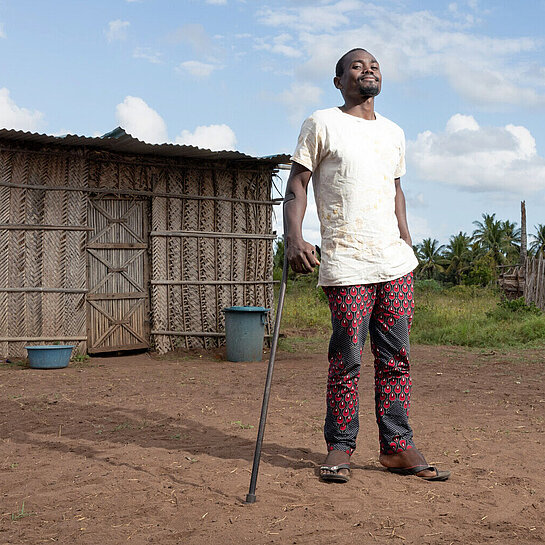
{"points": [[534, 288]]}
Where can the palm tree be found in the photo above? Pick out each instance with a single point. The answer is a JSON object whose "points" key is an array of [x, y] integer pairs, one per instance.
{"points": [[512, 241], [537, 247], [490, 236], [458, 254], [430, 258]]}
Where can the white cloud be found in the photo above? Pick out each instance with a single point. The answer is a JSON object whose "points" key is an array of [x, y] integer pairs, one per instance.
{"points": [[117, 30], [217, 2], [420, 228], [318, 18], [141, 121], [195, 35], [2, 31], [144, 123], [298, 100], [280, 44], [213, 137], [482, 69], [14, 117], [197, 68], [474, 158], [459, 122], [148, 55]]}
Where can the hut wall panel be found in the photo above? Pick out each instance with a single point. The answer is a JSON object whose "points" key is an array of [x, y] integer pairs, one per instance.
{"points": [[238, 246], [159, 268], [224, 247], [207, 258], [40, 258], [250, 210], [174, 258], [191, 266], [197, 307], [4, 252]]}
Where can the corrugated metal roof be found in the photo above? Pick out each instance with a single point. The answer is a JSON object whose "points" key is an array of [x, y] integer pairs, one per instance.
{"points": [[119, 140]]}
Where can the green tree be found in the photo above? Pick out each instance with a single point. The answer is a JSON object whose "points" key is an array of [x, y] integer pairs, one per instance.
{"points": [[431, 261], [491, 238], [537, 247], [511, 235], [279, 253], [458, 255], [483, 271]]}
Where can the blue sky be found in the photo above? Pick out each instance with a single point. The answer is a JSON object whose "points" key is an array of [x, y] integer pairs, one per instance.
{"points": [[464, 79]]}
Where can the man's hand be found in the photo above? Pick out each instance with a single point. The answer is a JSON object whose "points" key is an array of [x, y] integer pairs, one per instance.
{"points": [[301, 256]]}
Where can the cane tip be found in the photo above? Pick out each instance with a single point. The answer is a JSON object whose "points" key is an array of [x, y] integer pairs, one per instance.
{"points": [[250, 498]]}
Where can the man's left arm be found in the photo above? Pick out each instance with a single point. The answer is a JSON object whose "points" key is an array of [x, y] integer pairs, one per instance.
{"points": [[401, 213]]}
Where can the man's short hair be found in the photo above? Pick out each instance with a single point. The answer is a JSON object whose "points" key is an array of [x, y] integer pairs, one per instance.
{"points": [[339, 67]]}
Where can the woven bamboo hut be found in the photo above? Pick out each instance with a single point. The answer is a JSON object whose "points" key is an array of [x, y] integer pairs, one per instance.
{"points": [[114, 244]]}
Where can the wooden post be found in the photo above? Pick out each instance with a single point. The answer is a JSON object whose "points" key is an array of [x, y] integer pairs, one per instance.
{"points": [[523, 236]]}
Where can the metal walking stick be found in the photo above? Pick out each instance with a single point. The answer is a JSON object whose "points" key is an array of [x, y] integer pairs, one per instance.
{"points": [[250, 497]]}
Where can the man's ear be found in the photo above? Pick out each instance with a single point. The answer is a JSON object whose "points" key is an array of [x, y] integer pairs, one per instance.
{"points": [[337, 82]]}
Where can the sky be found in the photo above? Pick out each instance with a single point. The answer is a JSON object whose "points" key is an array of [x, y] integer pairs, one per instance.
{"points": [[464, 79]]}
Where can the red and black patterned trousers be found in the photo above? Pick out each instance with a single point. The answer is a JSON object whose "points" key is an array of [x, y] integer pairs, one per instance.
{"points": [[385, 310]]}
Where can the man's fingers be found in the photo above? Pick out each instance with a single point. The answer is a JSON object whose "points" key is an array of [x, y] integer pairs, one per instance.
{"points": [[304, 259], [305, 264]]}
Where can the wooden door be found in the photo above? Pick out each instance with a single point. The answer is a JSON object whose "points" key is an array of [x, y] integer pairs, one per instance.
{"points": [[117, 302]]}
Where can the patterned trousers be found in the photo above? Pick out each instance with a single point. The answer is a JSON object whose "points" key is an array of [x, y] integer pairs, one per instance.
{"points": [[385, 310]]}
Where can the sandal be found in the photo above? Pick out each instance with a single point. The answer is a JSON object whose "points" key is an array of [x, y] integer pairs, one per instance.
{"points": [[439, 475], [333, 475]]}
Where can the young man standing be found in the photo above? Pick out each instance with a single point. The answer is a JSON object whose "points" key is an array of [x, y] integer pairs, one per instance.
{"points": [[356, 158]]}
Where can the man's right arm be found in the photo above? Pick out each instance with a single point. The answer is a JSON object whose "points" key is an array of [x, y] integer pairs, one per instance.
{"points": [[301, 254]]}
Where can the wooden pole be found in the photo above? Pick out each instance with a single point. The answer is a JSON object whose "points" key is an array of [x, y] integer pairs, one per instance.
{"points": [[523, 236]]}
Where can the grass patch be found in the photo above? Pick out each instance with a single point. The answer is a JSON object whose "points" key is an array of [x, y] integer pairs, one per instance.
{"points": [[21, 514], [469, 316], [305, 307], [241, 425], [474, 317]]}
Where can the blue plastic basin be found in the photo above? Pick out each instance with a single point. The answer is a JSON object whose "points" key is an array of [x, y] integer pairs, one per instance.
{"points": [[244, 332], [49, 356]]}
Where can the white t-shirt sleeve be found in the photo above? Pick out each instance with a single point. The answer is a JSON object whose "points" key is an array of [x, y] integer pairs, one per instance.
{"points": [[400, 169], [309, 145]]}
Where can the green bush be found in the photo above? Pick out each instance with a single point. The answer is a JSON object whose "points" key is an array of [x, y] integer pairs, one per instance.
{"points": [[481, 273], [428, 285], [506, 309]]}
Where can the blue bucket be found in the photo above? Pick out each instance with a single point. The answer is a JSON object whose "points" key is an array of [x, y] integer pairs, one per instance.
{"points": [[244, 332], [49, 356]]}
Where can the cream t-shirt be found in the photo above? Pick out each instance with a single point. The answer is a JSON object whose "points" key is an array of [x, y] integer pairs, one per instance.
{"points": [[354, 163]]}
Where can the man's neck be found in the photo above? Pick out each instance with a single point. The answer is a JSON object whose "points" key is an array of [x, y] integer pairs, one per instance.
{"points": [[364, 108]]}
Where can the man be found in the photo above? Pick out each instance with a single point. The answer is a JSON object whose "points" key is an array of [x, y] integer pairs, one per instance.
{"points": [[356, 158]]}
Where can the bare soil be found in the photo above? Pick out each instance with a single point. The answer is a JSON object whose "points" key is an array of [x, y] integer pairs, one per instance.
{"points": [[140, 449]]}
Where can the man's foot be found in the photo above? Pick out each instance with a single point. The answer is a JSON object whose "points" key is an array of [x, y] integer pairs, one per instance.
{"points": [[336, 467], [409, 461]]}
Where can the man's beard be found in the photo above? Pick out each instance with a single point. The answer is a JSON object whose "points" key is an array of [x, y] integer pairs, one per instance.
{"points": [[369, 89]]}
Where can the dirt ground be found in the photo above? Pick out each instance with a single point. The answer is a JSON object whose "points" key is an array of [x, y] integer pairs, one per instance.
{"points": [[139, 449]]}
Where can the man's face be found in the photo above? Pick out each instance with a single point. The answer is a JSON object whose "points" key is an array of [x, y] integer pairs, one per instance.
{"points": [[361, 75]]}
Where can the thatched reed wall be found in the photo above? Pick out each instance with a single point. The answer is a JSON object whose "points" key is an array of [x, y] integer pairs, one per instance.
{"points": [[112, 251], [42, 250], [208, 253]]}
